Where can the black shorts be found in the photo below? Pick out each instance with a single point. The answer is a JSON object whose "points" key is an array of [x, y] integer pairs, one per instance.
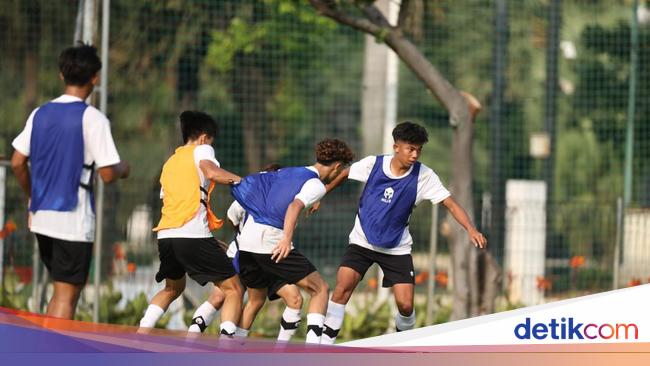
{"points": [[201, 258], [260, 271], [397, 268], [67, 261], [274, 285]]}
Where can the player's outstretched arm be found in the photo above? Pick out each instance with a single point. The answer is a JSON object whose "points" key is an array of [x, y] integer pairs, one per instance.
{"points": [[216, 174], [338, 180], [461, 217], [21, 171], [329, 187], [283, 248], [112, 173]]}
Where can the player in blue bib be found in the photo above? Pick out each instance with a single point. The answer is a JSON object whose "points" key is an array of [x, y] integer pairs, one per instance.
{"points": [[273, 201], [395, 184], [63, 141]]}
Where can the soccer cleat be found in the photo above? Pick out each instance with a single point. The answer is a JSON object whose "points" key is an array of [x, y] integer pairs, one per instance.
{"points": [[225, 333]]}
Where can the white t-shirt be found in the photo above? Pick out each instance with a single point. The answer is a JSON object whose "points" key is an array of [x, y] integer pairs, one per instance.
{"points": [[429, 188], [99, 147], [261, 238], [198, 226], [236, 214]]}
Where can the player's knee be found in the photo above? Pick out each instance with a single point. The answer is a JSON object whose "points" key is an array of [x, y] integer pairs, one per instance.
{"points": [[294, 300], [405, 307], [216, 299], [173, 291], [233, 288], [256, 302], [341, 295], [322, 288], [318, 287]]}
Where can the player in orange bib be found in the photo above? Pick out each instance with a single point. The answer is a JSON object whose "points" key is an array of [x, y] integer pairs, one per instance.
{"points": [[185, 241]]}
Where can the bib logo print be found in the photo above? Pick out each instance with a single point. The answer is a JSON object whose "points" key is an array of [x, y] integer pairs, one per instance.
{"points": [[388, 195]]}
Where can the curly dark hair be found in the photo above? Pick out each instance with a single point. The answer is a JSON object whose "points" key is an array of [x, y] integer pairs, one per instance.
{"points": [[329, 151], [411, 133]]}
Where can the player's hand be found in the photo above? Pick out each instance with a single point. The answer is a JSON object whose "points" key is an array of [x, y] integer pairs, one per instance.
{"points": [[125, 169], [281, 250], [477, 238], [312, 210]]}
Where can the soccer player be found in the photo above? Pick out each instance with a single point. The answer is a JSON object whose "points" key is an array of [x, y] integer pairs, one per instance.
{"points": [[278, 288], [290, 294], [185, 241], [64, 140], [274, 201], [394, 186]]}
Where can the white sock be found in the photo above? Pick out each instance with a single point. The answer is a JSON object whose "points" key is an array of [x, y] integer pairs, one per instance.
{"points": [[333, 322], [151, 316], [241, 332], [202, 318], [314, 328], [404, 322], [228, 328], [289, 324]]}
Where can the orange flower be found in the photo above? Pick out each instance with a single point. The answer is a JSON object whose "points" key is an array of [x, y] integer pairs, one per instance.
{"points": [[442, 278], [131, 267], [9, 228], [634, 282], [421, 278], [577, 261], [543, 283], [372, 283], [118, 251]]}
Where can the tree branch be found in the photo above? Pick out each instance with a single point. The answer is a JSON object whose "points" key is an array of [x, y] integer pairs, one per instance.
{"points": [[376, 16], [329, 10], [377, 25]]}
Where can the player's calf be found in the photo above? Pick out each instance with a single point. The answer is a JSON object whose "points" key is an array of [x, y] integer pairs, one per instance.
{"points": [[291, 315], [319, 290], [160, 302], [232, 306], [204, 314], [405, 317]]}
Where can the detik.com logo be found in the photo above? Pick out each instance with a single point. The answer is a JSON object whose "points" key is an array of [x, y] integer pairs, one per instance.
{"points": [[569, 328]]}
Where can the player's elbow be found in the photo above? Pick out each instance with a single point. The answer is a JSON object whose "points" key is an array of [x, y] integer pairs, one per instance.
{"points": [[297, 204], [18, 162], [108, 174], [216, 176]]}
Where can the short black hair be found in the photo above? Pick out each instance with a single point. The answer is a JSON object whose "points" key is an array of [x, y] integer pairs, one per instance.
{"points": [[411, 133], [79, 64], [196, 123]]}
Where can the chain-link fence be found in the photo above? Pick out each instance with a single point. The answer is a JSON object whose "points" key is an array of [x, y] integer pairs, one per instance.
{"points": [[549, 146]]}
